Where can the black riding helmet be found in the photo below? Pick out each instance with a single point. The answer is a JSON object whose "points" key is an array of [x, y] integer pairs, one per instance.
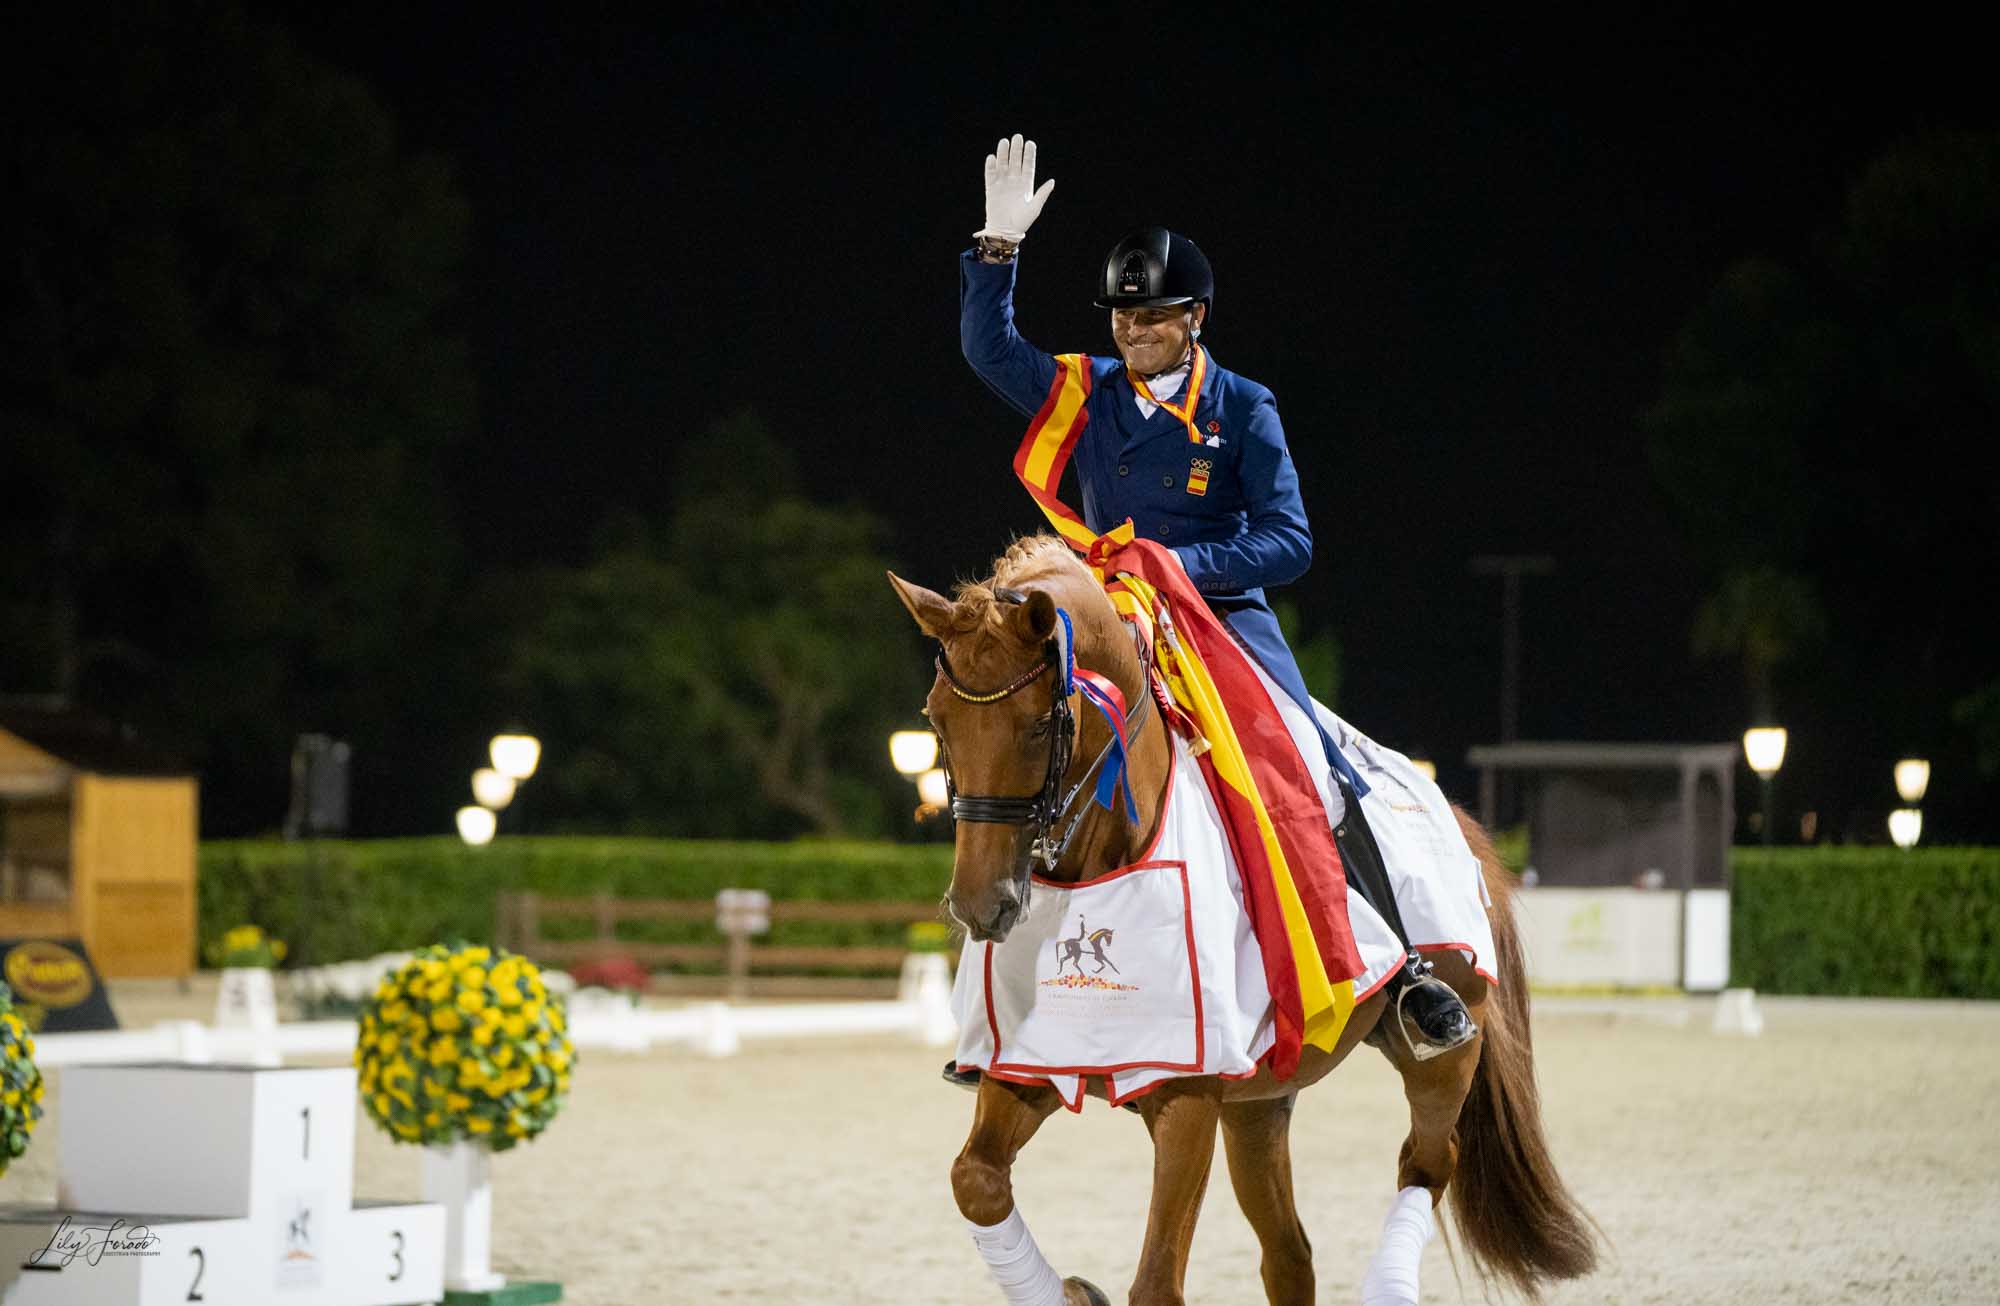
{"points": [[1156, 268]]}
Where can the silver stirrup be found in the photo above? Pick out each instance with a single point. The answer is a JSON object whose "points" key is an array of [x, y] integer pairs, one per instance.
{"points": [[1426, 1050]]}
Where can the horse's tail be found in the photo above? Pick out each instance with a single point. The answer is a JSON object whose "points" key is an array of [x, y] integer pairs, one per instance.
{"points": [[1517, 1218]]}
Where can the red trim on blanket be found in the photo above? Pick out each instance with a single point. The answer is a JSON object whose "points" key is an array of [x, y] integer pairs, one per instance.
{"points": [[996, 1065], [1376, 987], [1194, 966], [1114, 1098], [1109, 876], [1390, 974], [1038, 1081], [1183, 1067], [1471, 957], [1179, 1067]]}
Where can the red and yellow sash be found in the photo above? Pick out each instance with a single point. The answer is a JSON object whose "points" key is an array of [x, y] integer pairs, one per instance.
{"points": [[1292, 877], [1051, 439]]}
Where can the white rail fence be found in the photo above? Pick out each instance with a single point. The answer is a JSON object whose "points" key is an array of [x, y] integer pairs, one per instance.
{"points": [[921, 1010]]}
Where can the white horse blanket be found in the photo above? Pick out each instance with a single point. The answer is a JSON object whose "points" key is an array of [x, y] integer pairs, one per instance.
{"points": [[1153, 971]]}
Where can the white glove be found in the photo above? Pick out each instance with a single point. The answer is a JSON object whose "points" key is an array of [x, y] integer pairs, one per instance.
{"points": [[1012, 202]]}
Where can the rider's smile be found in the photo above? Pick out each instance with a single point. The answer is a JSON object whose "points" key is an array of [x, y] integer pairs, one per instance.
{"points": [[1153, 340]]}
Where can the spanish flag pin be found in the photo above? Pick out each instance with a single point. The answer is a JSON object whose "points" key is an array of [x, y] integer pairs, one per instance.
{"points": [[1197, 478]]}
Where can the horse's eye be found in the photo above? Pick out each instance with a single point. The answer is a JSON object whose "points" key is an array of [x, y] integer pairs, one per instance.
{"points": [[1040, 730]]}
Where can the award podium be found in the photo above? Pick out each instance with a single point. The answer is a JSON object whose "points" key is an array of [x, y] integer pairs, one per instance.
{"points": [[224, 1184]]}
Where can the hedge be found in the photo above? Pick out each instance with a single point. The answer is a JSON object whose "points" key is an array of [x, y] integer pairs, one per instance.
{"points": [[1830, 920], [336, 900], [1875, 922]]}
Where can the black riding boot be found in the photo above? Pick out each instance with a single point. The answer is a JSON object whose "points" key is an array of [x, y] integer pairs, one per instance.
{"points": [[1422, 1000], [1431, 1007]]}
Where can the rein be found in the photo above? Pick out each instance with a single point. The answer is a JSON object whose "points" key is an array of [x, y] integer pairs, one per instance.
{"points": [[1043, 809]]}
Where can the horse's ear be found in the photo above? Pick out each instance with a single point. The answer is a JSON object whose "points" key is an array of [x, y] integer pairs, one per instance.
{"points": [[931, 609], [1034, 621]]}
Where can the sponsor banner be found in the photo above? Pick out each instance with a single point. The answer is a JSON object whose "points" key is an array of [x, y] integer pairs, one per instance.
{"points": [[56, 987]]}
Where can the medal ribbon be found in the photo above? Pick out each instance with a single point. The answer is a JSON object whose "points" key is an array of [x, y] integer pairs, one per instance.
{"points": [[1197, 373], [1109, 700]]}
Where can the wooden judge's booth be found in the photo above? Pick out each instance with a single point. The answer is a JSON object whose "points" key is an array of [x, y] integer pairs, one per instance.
{"points": [[97, 842]]}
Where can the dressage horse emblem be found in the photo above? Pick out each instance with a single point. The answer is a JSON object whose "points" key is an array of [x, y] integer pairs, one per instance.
{"points": [[300, 1266], [1071, 952]]}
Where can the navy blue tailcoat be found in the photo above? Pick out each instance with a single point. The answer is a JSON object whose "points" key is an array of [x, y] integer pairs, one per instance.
{"points": [[1229, 508]]}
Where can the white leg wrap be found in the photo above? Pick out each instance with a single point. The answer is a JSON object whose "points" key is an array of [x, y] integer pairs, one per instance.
{"points": [[1017, 1265], [1392, 1275]]}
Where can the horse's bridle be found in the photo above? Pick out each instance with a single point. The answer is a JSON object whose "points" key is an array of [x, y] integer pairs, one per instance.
{"points": [[1044, 808]]}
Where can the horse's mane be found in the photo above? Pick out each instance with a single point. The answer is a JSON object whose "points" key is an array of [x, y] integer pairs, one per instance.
{"points": [[1028, 558]]}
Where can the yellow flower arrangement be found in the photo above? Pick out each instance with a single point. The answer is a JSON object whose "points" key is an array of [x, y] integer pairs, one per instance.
{"points": [[20, 1083], [463, 1041], [246, 945]]}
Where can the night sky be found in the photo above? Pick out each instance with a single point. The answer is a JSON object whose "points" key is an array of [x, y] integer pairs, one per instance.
{"points": [[1456, 250]]}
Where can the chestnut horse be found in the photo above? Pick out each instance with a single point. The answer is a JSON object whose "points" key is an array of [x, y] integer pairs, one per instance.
{"points": [[1475, 1127]]}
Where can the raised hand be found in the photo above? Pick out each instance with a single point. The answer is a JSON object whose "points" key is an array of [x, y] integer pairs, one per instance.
{"points": [[1012, 202]]}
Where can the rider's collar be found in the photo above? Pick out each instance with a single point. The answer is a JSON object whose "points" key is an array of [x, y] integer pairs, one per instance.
{"points": [[1178, 369]]}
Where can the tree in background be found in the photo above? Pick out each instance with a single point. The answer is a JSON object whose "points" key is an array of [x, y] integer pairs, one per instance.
{"points": [[1826, 435], [735, 674], [1979, 714], [229, 382], [1762, 617]]}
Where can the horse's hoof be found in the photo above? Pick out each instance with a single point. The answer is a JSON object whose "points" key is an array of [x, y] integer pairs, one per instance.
{"points": [[1082, 1292]]}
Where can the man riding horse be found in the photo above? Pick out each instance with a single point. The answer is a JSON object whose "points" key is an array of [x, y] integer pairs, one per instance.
{"points": [[1195, 456]]}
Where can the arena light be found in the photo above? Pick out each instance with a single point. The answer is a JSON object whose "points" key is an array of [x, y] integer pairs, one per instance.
{"points": [[476, 826], [1906, 826], [1764, 746], [913, 751], [1913, 777], [516, 756], [491, 789], [931, 790]]}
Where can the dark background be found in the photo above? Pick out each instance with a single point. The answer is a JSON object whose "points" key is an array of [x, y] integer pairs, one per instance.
{"points": [[1456, 247]]}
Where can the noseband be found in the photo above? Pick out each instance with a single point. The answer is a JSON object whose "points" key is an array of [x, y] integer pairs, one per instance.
{"points": [[1043, 809]]}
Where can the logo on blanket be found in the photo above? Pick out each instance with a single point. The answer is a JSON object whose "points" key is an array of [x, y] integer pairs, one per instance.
{"points": [[1070, 952]]}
